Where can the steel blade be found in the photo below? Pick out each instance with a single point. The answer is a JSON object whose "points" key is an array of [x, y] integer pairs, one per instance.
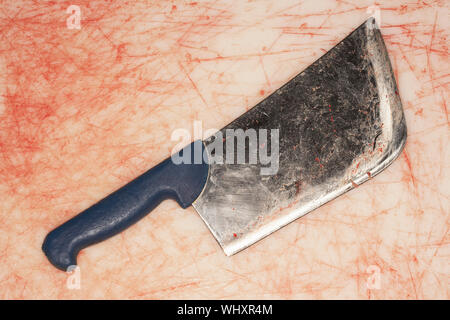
{"points": [[340, 123]]}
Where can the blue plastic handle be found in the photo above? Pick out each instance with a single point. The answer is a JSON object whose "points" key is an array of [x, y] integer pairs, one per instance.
{"points": [[124, 207]]}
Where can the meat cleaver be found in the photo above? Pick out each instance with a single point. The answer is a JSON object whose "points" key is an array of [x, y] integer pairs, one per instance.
{"points": [[338, 123]]}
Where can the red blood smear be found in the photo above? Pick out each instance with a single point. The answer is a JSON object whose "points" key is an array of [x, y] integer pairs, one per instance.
{"points": [[297, 187]]}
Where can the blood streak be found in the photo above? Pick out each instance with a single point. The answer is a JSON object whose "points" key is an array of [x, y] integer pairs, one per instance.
{"points": [[318, 161], [297, 186], [410, 169]]}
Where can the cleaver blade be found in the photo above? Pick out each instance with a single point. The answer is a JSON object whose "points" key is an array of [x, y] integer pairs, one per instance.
{"points": [[340, 123]]}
